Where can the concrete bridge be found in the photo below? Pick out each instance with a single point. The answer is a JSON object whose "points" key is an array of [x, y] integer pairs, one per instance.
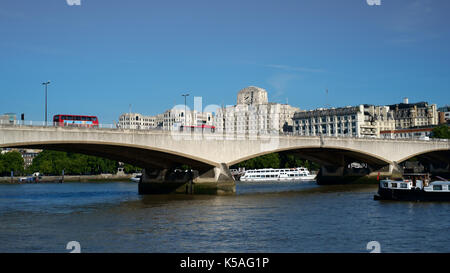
{"points": [[211, 154]]}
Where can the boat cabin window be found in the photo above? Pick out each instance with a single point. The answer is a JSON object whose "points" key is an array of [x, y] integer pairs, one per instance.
{"points": [[385, 184], [394, 185], [437, 187], [403, 185]]}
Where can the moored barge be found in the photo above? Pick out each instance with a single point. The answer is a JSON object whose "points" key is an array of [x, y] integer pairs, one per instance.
{"points": [[414, 187]]}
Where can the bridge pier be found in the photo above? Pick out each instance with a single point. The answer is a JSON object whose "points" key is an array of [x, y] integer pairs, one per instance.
{"points": [[341, 175], [217, 180]]}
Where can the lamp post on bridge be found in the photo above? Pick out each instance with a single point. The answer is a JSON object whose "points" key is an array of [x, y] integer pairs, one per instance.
{"points": [[46, 83], [185, 95]]}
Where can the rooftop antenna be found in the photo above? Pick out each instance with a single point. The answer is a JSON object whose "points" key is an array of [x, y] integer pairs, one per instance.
{"points": [[326, 99]]}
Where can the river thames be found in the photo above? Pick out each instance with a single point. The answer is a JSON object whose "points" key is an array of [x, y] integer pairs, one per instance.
{"points": [[267, 217]]}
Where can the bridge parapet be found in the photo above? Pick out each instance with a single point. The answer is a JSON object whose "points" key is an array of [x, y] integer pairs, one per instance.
{"points": [[212, 153]]}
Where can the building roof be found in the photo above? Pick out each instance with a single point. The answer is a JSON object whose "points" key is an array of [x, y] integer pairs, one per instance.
{"points": [[252, 89], [408, 105], [444, 109]]}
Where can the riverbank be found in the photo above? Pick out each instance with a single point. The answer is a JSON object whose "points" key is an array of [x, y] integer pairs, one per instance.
{"points": [[70, 178]]}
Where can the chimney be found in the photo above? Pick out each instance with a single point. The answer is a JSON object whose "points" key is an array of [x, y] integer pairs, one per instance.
{"points": [[405, 100]]}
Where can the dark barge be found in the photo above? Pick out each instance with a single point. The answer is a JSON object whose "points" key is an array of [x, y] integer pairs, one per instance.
{"points": [[414, 187]]}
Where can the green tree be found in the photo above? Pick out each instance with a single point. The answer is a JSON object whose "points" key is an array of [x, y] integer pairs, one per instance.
{"points": [[2, 165], [11, 161], [53, 163], [441, 131], [128, 168]]}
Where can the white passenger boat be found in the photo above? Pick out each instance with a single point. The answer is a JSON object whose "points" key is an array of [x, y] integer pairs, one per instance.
{"points": [[136, 177], [289, 175]]}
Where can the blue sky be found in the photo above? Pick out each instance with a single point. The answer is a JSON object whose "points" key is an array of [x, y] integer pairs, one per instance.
{"points": [[104, 55]]}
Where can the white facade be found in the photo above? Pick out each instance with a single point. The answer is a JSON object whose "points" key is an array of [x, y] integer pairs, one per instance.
{"points": [[253, 114], [169, 120], [8, 118], [137, 121], [416, 133], [174, 118], [359, 121]]}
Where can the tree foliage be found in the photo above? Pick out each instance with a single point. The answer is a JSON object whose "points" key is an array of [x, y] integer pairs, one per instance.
{"points": [[53, 163], [128, 168], [442, 131], [11, 161]]}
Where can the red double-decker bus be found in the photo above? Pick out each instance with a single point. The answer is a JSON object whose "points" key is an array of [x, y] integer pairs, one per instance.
{"points": [[75, 120]]}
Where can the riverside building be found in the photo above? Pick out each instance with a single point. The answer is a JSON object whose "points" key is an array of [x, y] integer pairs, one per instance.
{"points": [[444, 114], [254, 114], [413, 115], [357, 121], [137, 121], [176, 117], [8, 118], [416, 133], [170, 120]]}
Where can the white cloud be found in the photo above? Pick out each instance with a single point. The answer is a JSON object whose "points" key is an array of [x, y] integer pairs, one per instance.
{"points": [[280, 83]]}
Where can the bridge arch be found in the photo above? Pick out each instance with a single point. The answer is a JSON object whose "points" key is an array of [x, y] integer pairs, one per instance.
{"points": [[139, 155], [428, 153], [328, 155]]}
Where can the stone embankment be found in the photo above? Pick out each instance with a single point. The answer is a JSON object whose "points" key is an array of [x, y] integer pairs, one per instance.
{"points": [[70, 178]]}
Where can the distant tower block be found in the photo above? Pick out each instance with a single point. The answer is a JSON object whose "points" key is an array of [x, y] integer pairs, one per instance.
{"points": [[405, 101]]}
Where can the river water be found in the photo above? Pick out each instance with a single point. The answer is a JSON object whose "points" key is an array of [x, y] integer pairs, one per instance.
{"points": [[267, 217]]}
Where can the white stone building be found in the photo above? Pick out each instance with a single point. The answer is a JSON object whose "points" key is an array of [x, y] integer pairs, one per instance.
{"points": [[412, 115], [357, 121], [8, 118], [137, 121], [174, 118], [253, 114], [169, 120], [417, 133]]}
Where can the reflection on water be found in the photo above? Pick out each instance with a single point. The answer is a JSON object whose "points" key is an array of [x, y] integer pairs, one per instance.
{"points": [[267, 217]]}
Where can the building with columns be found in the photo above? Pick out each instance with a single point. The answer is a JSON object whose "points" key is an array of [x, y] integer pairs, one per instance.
{"points": [[357, 121]]}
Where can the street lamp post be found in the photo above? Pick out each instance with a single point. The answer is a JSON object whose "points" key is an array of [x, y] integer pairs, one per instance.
{"points": [[46, 83], [185, 95]]}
